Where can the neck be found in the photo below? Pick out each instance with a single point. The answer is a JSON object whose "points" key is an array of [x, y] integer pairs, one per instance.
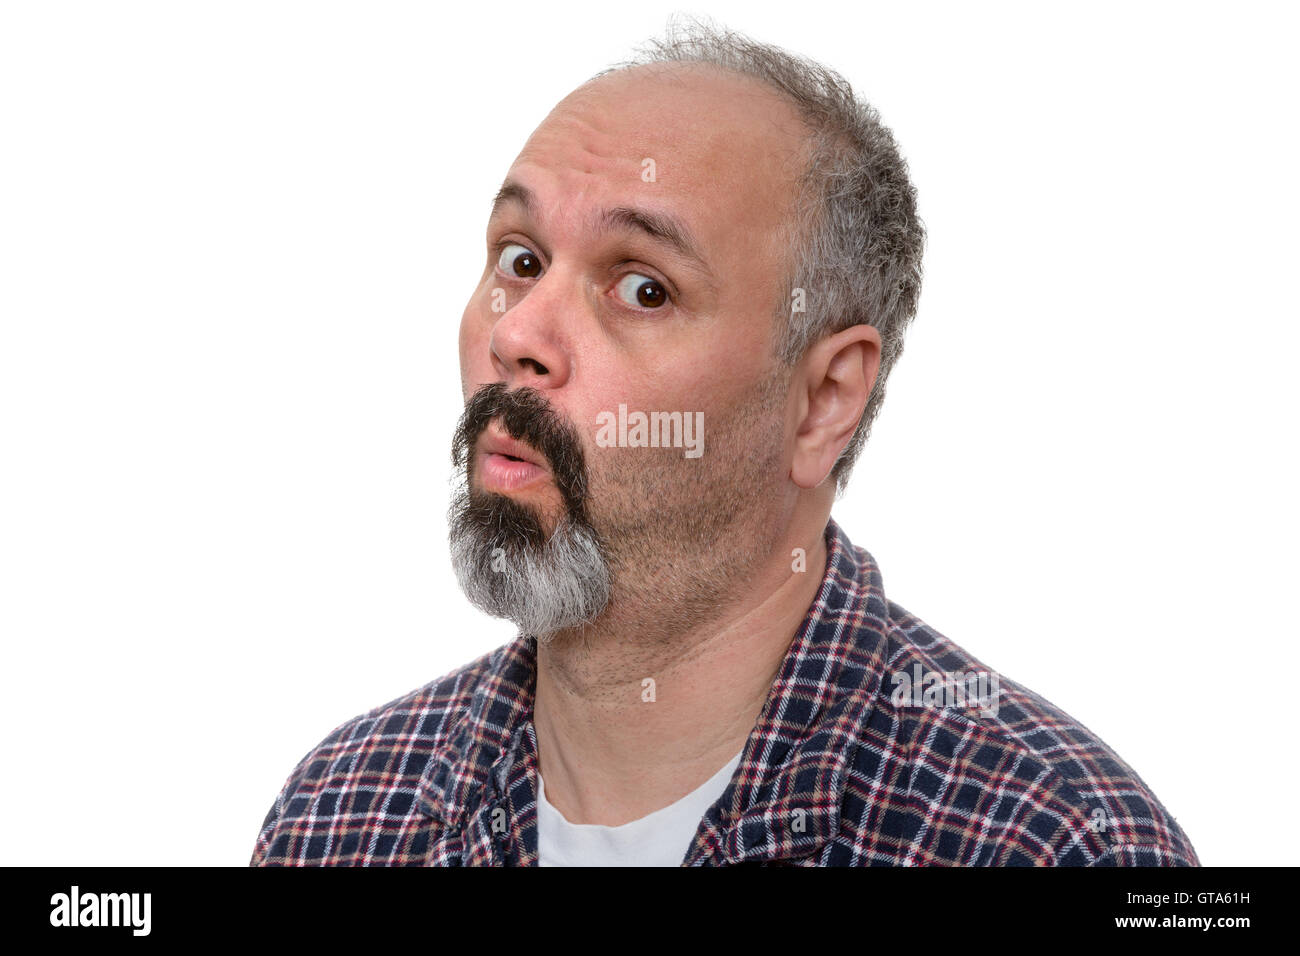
{"points": [[630, 718]]}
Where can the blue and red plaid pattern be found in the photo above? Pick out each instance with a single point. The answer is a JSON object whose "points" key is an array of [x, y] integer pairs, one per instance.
{"points": [[839, 770]]}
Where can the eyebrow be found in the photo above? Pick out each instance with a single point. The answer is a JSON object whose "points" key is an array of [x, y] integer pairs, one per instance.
{"points": [[664, 229]]}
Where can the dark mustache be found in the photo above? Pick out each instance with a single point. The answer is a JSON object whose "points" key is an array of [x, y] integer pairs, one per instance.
{"points": [[528, 417]]}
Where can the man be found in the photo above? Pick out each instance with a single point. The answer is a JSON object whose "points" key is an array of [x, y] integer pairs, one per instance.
{"points": [[698, 274]]}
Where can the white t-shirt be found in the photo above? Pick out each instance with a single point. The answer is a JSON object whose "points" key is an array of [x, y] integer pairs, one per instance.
{"points": [[657, 839]]}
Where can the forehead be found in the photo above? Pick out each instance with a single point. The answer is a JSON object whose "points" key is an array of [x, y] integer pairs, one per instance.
{"points": [[725, 151]]}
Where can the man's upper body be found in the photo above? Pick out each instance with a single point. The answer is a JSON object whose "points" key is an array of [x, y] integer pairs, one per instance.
{"points": [[845, 766], [697, 275]]}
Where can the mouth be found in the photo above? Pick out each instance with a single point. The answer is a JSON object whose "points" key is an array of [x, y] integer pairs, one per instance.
{"points": [[508, 465]]}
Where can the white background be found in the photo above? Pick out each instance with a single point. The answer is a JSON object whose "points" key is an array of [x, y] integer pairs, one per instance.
{"points": [[235, 243]]}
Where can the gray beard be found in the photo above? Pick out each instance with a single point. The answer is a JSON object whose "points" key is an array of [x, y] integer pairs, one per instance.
{"points": [[544, 589]]}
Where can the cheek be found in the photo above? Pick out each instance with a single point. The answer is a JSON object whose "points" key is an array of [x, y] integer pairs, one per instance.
{"points": [[465, 340], [474, 343]]}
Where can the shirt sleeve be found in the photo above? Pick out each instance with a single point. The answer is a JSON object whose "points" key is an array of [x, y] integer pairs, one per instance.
{"points": [[262, 855]]}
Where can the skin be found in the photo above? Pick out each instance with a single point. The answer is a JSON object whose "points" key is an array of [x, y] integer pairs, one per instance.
{"points": [[705, 602]]}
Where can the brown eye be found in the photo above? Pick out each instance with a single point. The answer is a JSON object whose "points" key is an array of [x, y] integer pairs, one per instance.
{"points": [[641, 290], [519, 261]]}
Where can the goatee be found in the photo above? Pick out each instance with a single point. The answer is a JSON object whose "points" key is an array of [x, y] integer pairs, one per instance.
{"points": [[506, 563]]}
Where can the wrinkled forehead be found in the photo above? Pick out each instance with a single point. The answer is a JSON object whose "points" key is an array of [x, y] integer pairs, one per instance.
{"points": [[720, 151]]}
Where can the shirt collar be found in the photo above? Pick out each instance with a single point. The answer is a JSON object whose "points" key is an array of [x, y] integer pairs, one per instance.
{"points": [[784, 798]]}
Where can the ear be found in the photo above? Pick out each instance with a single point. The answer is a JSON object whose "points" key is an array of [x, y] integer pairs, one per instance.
{"points": [[837, 375]]}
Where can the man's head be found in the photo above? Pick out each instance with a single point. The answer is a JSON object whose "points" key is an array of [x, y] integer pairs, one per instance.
{"points": [[719, 237]]}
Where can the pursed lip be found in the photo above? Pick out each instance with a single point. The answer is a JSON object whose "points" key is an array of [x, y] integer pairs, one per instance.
{"points": [[498, 443]]}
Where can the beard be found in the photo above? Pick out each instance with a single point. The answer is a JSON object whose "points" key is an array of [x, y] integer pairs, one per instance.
{"points": [[506, 563], [675, 536]]}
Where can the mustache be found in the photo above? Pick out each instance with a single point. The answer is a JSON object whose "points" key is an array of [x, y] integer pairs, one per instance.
{"points": [[526, 416]]}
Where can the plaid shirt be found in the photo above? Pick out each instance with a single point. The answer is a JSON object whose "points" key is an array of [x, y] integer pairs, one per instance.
{"points": [[840, 769]]}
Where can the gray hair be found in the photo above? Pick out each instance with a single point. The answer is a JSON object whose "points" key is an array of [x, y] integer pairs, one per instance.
{"points": [[544, 589], [858, 241]]}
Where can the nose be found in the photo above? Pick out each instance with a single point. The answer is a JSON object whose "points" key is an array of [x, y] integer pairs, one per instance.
{"points": [[528, 342]]}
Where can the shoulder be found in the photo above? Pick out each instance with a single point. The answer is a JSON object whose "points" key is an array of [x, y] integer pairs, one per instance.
{"points": [[978, 769], [367, 771]]}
